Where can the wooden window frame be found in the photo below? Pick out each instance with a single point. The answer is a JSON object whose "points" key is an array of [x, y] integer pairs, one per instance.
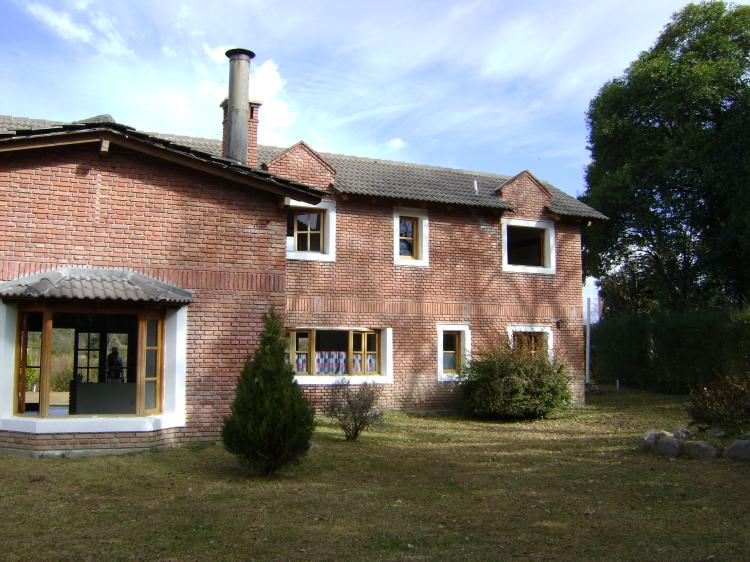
{"points": [[458, 353], [414, 239], [48, 312], [312, 349], [309, 232]]}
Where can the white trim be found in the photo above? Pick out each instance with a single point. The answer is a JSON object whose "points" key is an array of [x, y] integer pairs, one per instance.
{"points": [[386, 363], [423, 236], [329, 233], [549, 267], [533, 328], [465, 348], [175, 371]]}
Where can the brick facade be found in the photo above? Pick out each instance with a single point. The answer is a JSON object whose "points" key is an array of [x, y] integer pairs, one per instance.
{"points": [[76, 207]]}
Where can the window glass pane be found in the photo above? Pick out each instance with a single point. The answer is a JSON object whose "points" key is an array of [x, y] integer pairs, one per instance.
{"points": [[331, 352], [357, 344], [303, 342], [150, 363], [449, 341], [301, 242], [406, 247], [301, 363], [93, 340], [357, 363], [406, 228], [449, 360], [372, 363], [314, 221], [150, 395], [315, 243], [371, 342], [302, 221], [525, 246], [152, 331]]}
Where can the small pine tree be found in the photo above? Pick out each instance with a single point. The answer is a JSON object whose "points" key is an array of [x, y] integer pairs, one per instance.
{"points": [[271, 421]]}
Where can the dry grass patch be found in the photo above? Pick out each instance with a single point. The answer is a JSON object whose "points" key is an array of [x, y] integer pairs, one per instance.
{"points": [[417, 487]]}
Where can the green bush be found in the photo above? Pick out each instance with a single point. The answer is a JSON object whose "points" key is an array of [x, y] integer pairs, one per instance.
{"points": [[511, 384], [355, 410], [724, 403], [621, 350], [271, 422]]}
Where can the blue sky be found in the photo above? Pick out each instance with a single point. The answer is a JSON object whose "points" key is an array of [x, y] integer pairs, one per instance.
{"points": [[494, 86]]}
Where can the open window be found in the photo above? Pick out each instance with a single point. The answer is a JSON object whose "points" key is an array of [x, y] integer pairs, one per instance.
{"points": [[324, 355], [528, 246], [88, 362], [311, 231], [410, 237]]}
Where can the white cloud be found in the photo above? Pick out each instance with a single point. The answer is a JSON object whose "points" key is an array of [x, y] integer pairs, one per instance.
{"points": [[216, 54], [60, 22], [396, 143], [276, 115], [169, 51]]}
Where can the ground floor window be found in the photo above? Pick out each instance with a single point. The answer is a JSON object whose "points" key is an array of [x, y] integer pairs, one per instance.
{"points": [[335, 352], [531, 338], [79, 361], [453, 350]]}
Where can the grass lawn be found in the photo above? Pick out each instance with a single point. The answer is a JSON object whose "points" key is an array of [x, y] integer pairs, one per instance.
{"points": [[417, 488]]}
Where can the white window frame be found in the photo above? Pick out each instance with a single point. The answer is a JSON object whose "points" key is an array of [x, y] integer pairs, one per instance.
{"points": [[386, 361], [329, 231], [545, 328], [549, 267], [465, 344], [423, 238], [173, 402]]}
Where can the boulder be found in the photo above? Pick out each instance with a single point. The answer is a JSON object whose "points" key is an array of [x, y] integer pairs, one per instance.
{"points": [[669, 446], [682, 433], [651, 438], [740, 450], [699, 450], [716, 433]]}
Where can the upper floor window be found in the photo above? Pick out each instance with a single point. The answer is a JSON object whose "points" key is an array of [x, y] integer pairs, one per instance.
{"points": [[528, 246], [410, 237], [311, 231]]}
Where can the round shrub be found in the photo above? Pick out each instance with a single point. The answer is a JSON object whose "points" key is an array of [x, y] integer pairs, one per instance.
{"points": [[510, 384], [723, 403]]}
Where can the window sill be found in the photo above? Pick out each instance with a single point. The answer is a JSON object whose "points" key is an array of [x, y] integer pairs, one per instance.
{"points": [[411, 263], [529, 269], [449, 377], [310, 256], [333, 379], [91, 424]]}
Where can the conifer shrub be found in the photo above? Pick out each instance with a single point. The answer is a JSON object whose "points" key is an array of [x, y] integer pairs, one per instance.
{"points": [[511, 384], [271, 421], [723, 403], [355, 410]]}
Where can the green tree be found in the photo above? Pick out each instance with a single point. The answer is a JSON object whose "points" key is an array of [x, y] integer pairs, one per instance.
{"points": [[670, 146], [271, 422]]}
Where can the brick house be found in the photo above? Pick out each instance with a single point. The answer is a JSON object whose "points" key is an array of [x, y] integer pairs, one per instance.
{"points": [[150, 259]]}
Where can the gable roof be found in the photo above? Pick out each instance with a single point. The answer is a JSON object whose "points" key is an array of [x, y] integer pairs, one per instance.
{"points": [[93, 284], [23, 133], [373, 177]]}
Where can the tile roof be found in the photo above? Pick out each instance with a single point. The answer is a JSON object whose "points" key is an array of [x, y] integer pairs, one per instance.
{"points": [[384, 178], [94, 284]]}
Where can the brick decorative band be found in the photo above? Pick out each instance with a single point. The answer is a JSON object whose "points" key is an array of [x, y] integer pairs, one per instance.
{"points": [[416, 308]]}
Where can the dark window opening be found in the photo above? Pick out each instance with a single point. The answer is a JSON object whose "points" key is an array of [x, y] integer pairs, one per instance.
{"points": [[530, 342], [526, 246]]}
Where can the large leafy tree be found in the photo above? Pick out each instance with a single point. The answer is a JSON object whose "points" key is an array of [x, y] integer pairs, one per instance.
{"points": [[670, 145]]}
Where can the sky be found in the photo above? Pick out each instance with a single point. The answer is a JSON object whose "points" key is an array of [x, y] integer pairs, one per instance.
{"points": [[495, 86]]}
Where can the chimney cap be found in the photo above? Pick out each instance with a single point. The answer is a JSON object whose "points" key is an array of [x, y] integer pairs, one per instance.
{"points": [[231, 53]]}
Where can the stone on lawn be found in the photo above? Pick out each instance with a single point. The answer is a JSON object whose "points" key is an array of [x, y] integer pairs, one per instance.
{"points": [[740, 450], [651, 438], [716, 433], [699, 450], [669, 446], [682, 433]]}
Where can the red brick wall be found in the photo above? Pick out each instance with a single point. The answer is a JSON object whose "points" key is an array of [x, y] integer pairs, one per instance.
{"points": [[73, 207], [464, 284], [301, 164]]}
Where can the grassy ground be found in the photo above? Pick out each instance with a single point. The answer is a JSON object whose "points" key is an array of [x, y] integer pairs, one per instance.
{"points": [[418, 488]]}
